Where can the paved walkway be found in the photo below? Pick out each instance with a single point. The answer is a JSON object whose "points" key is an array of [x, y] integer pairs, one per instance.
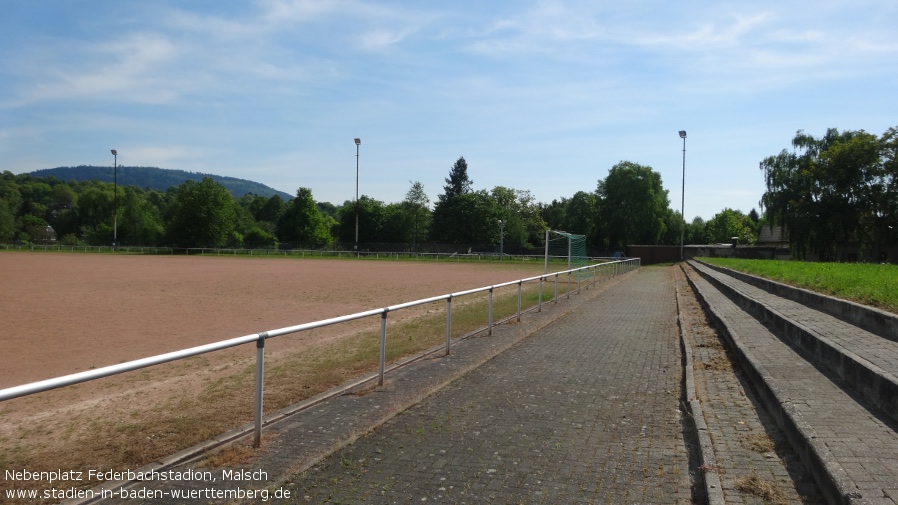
{"points": [[585, 411]]}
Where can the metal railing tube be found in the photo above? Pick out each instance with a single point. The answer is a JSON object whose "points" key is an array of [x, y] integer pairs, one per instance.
{"points": [[260, 373], [323, 322], [383, 346], [76, 378], [417, 302]]}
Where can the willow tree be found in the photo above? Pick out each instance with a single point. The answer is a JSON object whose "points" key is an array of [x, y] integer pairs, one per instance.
{"points": [[834, 191]]}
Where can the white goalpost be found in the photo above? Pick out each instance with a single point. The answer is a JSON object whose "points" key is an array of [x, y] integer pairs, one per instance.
{"points": [[565, 251]]}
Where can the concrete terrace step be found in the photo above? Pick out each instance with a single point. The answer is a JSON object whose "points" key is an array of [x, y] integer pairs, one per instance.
{"points": [[850, 448], [865, 360], [879, 322]]}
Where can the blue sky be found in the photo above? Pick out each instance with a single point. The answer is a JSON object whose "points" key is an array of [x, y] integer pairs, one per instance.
{"points": [[544, 96]]}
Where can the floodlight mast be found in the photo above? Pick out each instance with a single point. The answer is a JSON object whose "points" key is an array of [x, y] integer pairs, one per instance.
{"points": [[358, 142], [115, 198], [501, 238], [683, 196]]}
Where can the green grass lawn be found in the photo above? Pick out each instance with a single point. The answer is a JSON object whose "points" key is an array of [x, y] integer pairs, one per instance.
{"points": [[870, 284]]}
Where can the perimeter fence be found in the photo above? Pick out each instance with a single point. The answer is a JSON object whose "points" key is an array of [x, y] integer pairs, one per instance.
{"points": [[575, 279], [272, 252], [555, 261]]}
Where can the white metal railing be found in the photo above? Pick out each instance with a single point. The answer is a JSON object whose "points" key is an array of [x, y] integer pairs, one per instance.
{"points": [[588, 275]]}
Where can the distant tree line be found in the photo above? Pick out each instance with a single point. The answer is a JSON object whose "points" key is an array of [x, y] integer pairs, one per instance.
{"points": [[628, 206]]}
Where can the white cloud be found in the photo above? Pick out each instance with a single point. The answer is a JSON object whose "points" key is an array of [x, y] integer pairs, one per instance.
{"points": [[128, 68], [290, 11], [381, 39], [161, 156]]}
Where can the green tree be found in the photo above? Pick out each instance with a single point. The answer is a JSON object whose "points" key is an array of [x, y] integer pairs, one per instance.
{"points": [[447, 218], [673, 227], [730, 223], [581, 216], [632, 205], [328, 209], [95, 208], [695, 232], [458, 183], [37, 197], [396, 225], [511, 210], [272, 210], [257, 238], [302, 224], [371, 214], [201, 215], [140, 222], [416, 206], [470, 218], [554, 213], [10, 205], [524, 226], [831, 191]]}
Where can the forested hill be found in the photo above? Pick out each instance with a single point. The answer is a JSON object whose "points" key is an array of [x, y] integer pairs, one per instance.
{"points": [[159, 179]]}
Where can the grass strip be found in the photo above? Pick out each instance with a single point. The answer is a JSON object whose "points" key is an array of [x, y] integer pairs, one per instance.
{"points": [[866, 283]]}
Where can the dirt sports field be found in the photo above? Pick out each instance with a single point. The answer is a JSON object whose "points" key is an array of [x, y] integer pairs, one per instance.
{"points": [[64, 313]]}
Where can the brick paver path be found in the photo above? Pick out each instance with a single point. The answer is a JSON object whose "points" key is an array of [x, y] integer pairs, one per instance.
{"points": [[753, 459], [585, 411]]}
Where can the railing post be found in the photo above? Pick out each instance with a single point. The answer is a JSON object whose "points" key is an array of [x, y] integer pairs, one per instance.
{"points": [[448, 323], [383, 346], [520, 289], [260, 372], [556, 289], [540, 300], [490, 328]]}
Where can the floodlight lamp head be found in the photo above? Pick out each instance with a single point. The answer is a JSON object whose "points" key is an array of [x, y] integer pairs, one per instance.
{"points": [[114, 152], [358, 142], [682, 134]]}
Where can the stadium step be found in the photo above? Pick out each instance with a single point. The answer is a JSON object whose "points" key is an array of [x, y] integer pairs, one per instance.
{"points": [[790, 352], [865, 360]]}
